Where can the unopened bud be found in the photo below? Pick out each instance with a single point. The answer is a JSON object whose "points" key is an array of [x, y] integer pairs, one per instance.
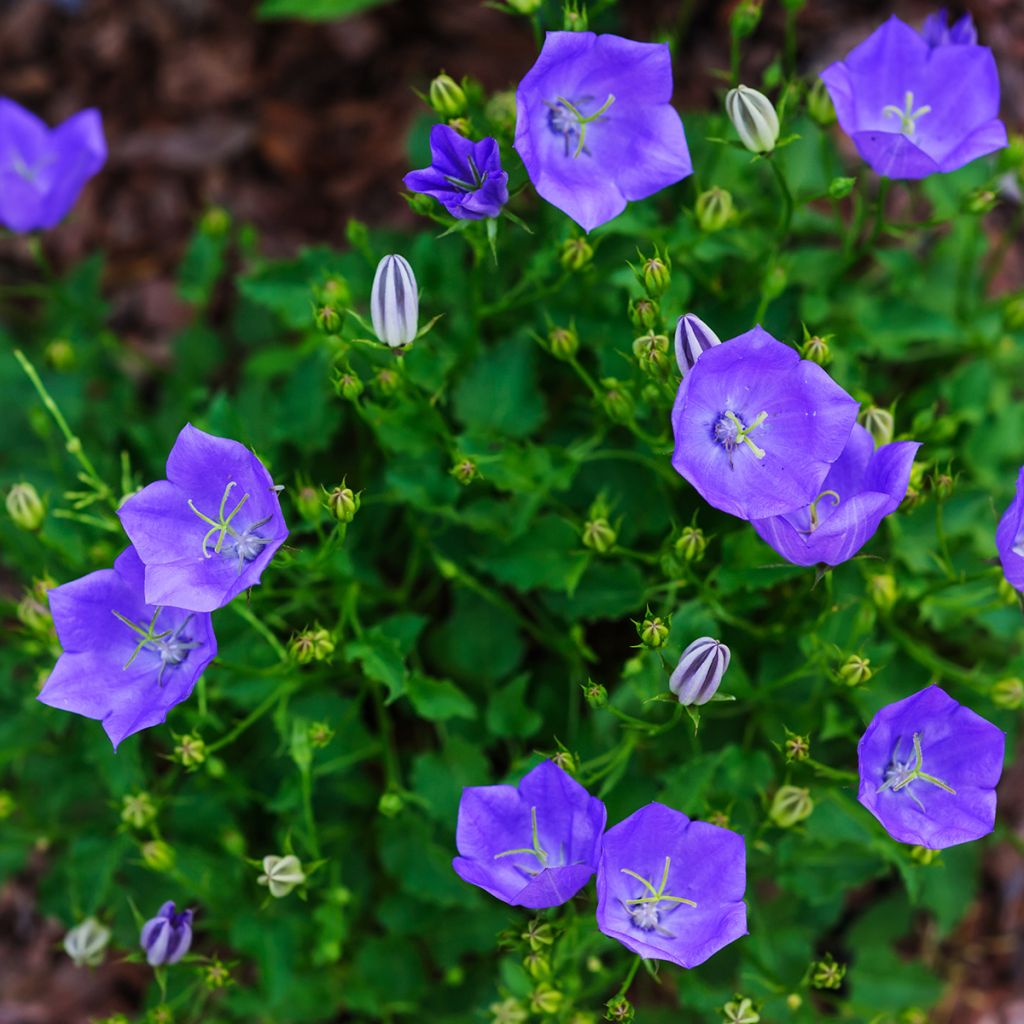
{"points": [[754, 118], [924, 855], [796, 747], [320, 734], [25, 507], [566, 760], [619, 1010], [775, 281], [653, 631], [349, 386], [596, 695], [216, 975], [740, 1011], [465, 471], [462, 125], [386, 381], [745, 18], [87, 942], [538, 934], [315, 644], [691, 544], [697, 676], [599, 535], [794, 1001], [714, 209], [546, 999], [307, 501], [855, 670], [651, 352], [816, 350], [343, 503], [576, 253], [819, 104], [538, 965], [980, 200], [827, 974], [840, 188], [693, 338], [394, 302], [446, 96], [390, 804], [879, 423], [1013, 313], [190, 750], [882, 591], [643, 314], [942, 484], [281, 875], [1008, 693], [215, 222], [616, 401], [158, 855], [655, 274], [60, 354], [563, 342], [790, 805], [138, 810]]}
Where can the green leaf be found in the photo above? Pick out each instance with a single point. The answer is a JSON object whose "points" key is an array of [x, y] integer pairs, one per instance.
{"points": [[499, 394], [509, 715], [438, 699], [381, 659]]}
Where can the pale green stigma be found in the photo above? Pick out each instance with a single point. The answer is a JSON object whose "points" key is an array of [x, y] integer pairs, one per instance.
{"points": [[731, 432], [901, 774], [908, 115], [643, 909], [814, 507], [576, 123], [536, 850], [168, 644], [221, 525]]}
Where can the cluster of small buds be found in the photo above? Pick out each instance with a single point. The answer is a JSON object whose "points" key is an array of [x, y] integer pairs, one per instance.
{"points": [[796, 747], [138, 810], [25, 507], [714, 209], [87, 943], [190, 750], [343, 503], [790, 805], [575, 253], [826, 973], [281, 875], [1008, 693], [740, 1010], [754, 118], [855, 670], [312, 644], [644, 314], [619, 1009]]}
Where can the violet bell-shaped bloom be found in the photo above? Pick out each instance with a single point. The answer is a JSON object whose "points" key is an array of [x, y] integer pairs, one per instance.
{"points": [[208, 531], [669, 888], [43, 170], [166, 938], [594, 125], [937, 31], [757, 428], [695, 680], [1010, 537], [693, 337], [863, 486], [929, 768], [465, 177], [532, 845], [915, 109], [126, 661]]}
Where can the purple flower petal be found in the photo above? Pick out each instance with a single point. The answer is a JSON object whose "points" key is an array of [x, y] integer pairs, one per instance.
{"points": [[1010, 537]]}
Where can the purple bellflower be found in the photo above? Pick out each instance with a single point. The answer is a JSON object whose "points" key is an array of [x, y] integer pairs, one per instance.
{"points": [[594, 126], [126, 662], [669, 888], [863, 486], [937, 30], [208, 531], [929, 768], [757, 428], [532, 845], [465, 177], [914, 108], [42, 171], [693, 337], [166, 938], [697, 677], [1010, 537]]}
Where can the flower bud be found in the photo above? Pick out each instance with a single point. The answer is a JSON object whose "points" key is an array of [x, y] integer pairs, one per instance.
{"points": [[980, 200], [446, 96], [616, 401], [840, 188], [538, 965], [314, 644], [215, 222], [157, 855], [643, 313], [390, 804], [655, 274], [819, 104], [740, 1011], [524, 6], [508, 1011], [774, 283], [575, 254], [25, 507], [33, 609], [538, 935], [138, 810], [166, 938], [816, 350], [924, 855], [546, 999], [651, 352], [827, 974], [216, 976], [320, 734], [87, 942], [281, 875], [1008, 693], [754, 118], [790, 806], [691, 544], [574, 16], [696, 678], [714, 209], [563, 342], [327, 319], [599, 535], [343, 503], [190, 750], [794, 1001], [463, 126], [653, 631], [882, 591], [1013, 313], [942, 484], [386, 381], [596, 695], [307, 501], [60, 354], [855, 670], [796, 747], [879, 423], [465, 471], [745, 18], [7, 804], [619, 1009], [693, 337], [394, 302], [349, 386]]}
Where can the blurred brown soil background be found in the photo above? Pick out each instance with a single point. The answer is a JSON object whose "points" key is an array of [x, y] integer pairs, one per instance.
{"points": [[297, 127]]}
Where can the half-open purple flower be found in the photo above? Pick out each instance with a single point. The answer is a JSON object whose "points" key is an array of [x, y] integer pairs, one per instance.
{"points": [[594, 126], [1010, 537], [42, 171], [929, 768], [914, 108], [532, 845], [465, 177], [863, 486], [757, 428], [937, 31], [669, 888], [126, 662], [166, 938], [208, 531]]}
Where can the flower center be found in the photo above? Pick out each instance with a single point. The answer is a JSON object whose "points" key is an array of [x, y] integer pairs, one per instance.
{"points": [[567, 119], [534, 850], [646, 916], [468, 186], [730, 432], [901, 773], [171, 645], [907, 115], [643, 910], [245, 544]]}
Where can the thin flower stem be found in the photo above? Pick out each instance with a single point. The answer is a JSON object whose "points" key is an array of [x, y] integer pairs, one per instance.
{"points": [[628, 980], [244, 612], [787, 199], [280, 693]]}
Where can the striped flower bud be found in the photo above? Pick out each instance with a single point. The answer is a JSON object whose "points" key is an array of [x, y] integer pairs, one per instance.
{"points": [[693, 337], [166, 938], [394, 301], [699, 673], [754, 118]]}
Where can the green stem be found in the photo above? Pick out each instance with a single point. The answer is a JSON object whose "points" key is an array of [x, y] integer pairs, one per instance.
{"points": [[787, 199], [244, 612], [624, 987], [280, 693]]}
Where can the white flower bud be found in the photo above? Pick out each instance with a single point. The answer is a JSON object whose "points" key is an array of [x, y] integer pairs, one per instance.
{"points": [[87, 942], [699, 673], [754, 118], [394, 301], [693, 337], [282, 874]]}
